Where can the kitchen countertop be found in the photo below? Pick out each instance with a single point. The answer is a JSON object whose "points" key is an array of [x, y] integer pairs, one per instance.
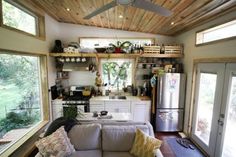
{"points": [[106, 98], [115, 117], [128, 98], [144, 98]]}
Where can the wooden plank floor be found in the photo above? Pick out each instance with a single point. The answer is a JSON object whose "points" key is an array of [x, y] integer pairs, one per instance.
{"points": [[165, 148]]}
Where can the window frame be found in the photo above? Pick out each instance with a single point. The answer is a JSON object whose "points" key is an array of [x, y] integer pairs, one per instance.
{"points": [[132, 67], [39, 20], [215, 41], [153, 40], [45, 109]]}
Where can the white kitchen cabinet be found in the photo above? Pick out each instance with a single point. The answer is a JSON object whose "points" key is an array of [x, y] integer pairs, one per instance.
{"points": [[97, 105], [141, 110], [57, 109], [118, 106]]}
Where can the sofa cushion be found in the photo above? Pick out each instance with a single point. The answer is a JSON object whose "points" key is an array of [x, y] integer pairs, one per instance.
{"points": [[117, 138], [86, 137], [87, 153], [144, 146], [117, 154]]}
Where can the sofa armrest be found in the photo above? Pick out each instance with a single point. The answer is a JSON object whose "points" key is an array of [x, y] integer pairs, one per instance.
{"points": [[158, 153]]}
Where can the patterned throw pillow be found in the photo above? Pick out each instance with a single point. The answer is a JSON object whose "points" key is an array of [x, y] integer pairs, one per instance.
{"points": [[144, 146], [57, 144]]}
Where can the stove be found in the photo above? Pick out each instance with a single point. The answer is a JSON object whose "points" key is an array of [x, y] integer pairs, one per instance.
{"points": [[76, 100]]}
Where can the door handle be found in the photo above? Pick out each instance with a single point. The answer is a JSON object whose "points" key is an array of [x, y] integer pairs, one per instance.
{"points": [[222, 116], [221, 123]]}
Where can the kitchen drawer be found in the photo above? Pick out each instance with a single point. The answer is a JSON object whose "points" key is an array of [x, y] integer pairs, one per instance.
{"points": [[118, 106], [97, 102], [118, 109]]}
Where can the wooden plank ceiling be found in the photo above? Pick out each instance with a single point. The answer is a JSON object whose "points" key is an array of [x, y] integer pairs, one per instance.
{"points": [[186, 14]]}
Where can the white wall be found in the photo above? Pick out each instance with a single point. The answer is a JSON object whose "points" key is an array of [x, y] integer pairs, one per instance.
{"points": [[191, 52], [71, 33], [12, 40], [52, 33], [82, 78]]}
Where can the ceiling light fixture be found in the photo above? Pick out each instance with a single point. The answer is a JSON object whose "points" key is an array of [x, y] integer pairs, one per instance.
{"points": [[172, 23], [68, 9], [120, 16]]}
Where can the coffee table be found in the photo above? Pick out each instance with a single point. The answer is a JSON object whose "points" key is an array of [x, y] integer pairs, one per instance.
{"points": [[116, 117]]}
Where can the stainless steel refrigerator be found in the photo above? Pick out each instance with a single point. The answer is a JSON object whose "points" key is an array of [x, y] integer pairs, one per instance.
{"points": [[169, 102]]}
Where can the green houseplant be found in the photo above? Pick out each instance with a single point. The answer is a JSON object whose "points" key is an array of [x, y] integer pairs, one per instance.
{"points": [[120, 47]]}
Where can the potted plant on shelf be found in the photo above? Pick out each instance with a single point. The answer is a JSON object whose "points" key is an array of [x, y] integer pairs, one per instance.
{"points": [[120, 47]]}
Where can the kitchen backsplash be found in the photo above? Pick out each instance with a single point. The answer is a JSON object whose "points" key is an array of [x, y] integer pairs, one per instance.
{"points": [[82, 78]]}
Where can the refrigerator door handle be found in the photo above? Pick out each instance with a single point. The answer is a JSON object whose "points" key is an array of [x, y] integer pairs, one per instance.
{"points": [[163, 111], [160, 91]]}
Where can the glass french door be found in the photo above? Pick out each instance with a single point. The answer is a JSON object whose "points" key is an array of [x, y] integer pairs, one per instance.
{"points": [[226, 143], [214, 117], [209, 84]]}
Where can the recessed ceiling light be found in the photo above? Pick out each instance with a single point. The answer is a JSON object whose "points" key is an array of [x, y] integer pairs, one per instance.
{"points": [[172, 23], [121, 16], [68, 9]]}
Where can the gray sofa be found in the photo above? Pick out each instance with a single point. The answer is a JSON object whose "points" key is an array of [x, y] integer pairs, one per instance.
{"points": [[106, 140]]}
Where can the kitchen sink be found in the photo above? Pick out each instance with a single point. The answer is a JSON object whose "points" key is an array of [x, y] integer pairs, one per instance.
{"points": [[117, 97]]}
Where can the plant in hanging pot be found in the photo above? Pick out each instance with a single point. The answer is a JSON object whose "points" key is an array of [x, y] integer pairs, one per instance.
{"points": [[120, 47]]}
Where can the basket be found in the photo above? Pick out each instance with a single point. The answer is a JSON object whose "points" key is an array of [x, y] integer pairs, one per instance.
{"points": [[152, 49], [173, 49]]}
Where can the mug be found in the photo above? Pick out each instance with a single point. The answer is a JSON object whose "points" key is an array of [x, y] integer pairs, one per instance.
{"points": [[83, 59], [77, 59]]}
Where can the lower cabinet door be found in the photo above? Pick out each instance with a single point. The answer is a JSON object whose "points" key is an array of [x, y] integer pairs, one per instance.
{"points": [[56, 111], [139, 113]]}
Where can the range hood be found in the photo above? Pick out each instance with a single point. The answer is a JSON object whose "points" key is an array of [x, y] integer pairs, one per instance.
{"points": [[77, 66]]}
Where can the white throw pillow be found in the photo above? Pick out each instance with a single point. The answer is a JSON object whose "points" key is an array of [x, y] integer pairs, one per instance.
{"points": [[57, 144]]}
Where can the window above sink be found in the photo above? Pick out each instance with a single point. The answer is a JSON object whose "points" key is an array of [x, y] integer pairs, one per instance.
{"points": [[117, 73]]}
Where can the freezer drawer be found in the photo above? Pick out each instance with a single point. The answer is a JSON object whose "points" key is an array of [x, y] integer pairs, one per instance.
{"points": [[169, 120]]}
